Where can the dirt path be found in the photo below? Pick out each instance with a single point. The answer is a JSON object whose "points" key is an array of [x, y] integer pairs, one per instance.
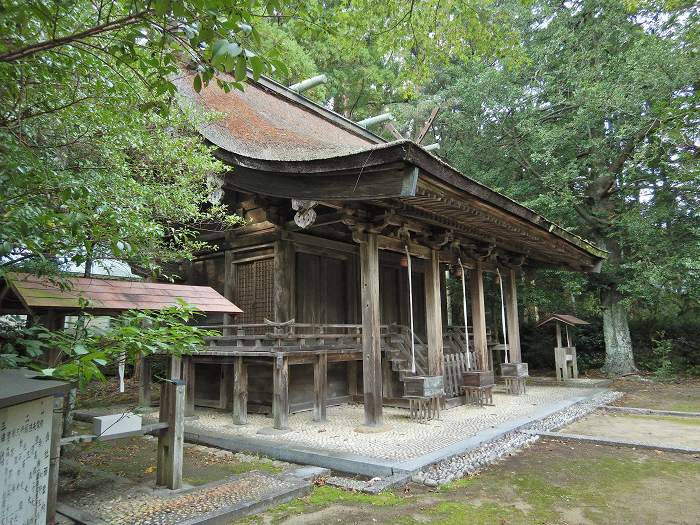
{"points": [[664, 430], [552, 482], [549, 483], [682, 396]]}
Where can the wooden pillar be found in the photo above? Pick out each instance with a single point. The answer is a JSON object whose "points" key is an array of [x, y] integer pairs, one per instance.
{"points": [[54, 458], [229, 279], [433, 314], [283, 286], [145, 382], [479, 317], [175, 368], [225, 390], [559, 345], [240, 391], [352, 378], [280, 394], [171, 439], [320, 387], [371, 342], [510, 289], [188, 376]]}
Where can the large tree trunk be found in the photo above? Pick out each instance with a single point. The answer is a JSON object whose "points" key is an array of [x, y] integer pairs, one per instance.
{"points": [[619, 359]]}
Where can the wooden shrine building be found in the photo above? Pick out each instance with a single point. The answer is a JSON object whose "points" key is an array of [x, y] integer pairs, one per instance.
{"points": [[334, 215]]}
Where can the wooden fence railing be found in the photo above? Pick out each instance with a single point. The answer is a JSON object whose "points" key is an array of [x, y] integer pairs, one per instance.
{"points": [[454, 365]]}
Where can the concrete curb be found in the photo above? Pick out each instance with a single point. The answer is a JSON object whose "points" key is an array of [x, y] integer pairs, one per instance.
{"points": [[226, 515], [613, 442], [338, 461], [649, 411], [485, 436]]}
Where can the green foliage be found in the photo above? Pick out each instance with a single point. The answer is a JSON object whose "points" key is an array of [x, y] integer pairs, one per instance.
{"points": [[376, 53], [597, 130], [80, 353], [98, 163]]}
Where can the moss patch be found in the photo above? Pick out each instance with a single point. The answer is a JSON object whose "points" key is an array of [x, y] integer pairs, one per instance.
{"points": [[550, 482], [135, 459]]}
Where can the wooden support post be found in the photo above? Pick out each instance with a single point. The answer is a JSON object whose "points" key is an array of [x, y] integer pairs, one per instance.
{"points": [[280, 395], [229, 279], [479, 317], [320, 387], [510, 288], [371, 342], [145, 382], [283, 286], [188, 376], [559, 345], [226, 386], [175, 368], [54, 458], [240, 392], [171, 439], [433, 314], [387, 375], [352, 378]]}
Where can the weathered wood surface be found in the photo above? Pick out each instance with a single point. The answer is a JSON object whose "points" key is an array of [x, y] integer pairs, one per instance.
{"points": [[371, 340], [455, 366], [280, 395], [433, 314], [320, 387], [478, 378], [395, 182], [175, 368], [188, 375], [284, 281], [145, 382], [240, 392], [510, 288], [171, 439], [54, 458], [479, 318], [565, 362], [352, 371]]}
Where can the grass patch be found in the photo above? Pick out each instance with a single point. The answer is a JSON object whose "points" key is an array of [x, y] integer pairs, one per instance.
{"points": [[135, 459], [325, 495]]}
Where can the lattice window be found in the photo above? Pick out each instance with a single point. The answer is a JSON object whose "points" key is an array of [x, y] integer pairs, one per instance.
{"points": [[253, 290]]}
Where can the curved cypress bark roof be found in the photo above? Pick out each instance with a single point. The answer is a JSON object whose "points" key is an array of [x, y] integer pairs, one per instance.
{"points": [[282, 144]]}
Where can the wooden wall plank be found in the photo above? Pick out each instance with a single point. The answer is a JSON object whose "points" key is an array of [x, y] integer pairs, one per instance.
{"points": [[284, 279]]}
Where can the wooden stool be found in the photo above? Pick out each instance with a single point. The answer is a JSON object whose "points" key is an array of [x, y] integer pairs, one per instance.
{"points": [[478, 395], [423, 408], [515, 385]]}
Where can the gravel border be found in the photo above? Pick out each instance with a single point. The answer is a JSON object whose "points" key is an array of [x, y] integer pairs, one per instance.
{"points": [[470, 463]]}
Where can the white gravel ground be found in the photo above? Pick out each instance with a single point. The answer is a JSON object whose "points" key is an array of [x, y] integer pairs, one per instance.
{"points": [[406, 440]]}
